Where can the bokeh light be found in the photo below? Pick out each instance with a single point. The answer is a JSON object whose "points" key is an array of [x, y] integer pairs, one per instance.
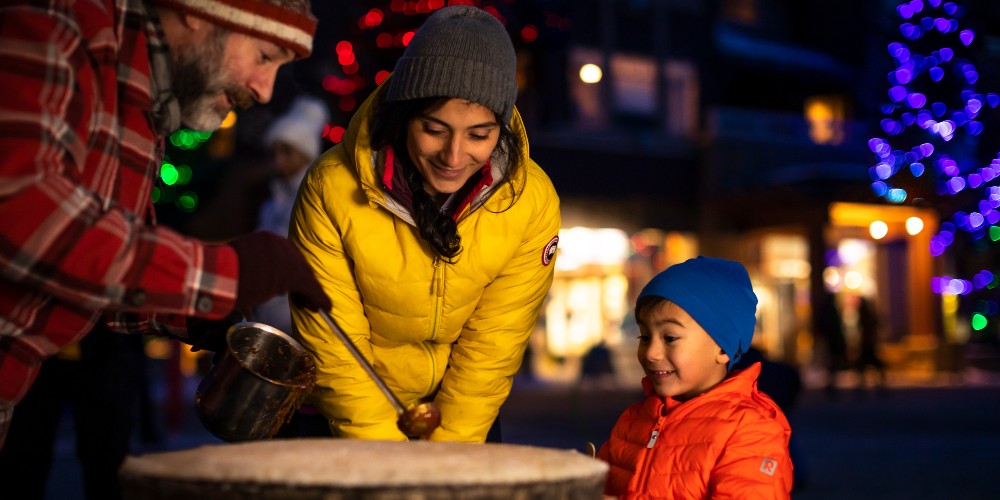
{"points": [[168, 174], [853, 280], [228, 121], [978, 321], [591, 73], [188, 201], [878, 229], [529, 33]]}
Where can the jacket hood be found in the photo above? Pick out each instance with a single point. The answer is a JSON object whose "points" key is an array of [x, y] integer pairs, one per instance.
{"points": [[358, 148]]}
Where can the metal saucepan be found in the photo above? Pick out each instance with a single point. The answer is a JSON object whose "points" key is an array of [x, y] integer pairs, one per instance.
{"points": [[261, 379]]}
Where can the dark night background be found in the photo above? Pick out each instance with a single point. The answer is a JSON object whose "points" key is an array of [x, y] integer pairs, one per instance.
{"points": [[700, 127]]}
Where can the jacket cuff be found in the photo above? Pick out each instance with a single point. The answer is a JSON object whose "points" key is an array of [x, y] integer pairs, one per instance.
{"points": [[216, 296]]}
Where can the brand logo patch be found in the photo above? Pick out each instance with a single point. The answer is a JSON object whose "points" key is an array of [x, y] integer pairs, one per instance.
{"points": [[549, 252], [769, 466]]}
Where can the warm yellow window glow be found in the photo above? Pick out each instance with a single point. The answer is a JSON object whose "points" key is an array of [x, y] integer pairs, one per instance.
{"points": [[825, 118], [878, 229], [591, 73], [851, 251], [914, 225], [831, 277], [229, 120], [853, 280]]}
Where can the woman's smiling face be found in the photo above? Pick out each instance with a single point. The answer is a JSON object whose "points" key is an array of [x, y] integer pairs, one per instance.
{"points": [[679, 357], [450, 143]]}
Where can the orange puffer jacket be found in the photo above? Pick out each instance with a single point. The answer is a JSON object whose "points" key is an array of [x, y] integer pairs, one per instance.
{"points": [[730, 442]]}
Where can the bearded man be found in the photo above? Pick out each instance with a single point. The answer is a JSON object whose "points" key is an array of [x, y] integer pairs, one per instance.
{"points": [[91, 89]]}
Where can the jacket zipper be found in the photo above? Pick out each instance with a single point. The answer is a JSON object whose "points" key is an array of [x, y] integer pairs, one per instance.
{"points": [[643, 476], [437, 288]]}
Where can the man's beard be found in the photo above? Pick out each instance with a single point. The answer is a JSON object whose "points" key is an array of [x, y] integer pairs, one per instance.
{"points": [[199, 79]]}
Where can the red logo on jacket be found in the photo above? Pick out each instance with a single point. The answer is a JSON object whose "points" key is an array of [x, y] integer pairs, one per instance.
{"points": [[769, 466], [549, 252]]}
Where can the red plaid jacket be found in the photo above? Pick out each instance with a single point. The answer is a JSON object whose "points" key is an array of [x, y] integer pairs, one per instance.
{"points": [[79, 158]]}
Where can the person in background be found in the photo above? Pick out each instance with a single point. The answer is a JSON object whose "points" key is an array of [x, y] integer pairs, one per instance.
{"points": [[435, 235], [295, 140], [868, 326], [91, 90], [831, 332], [704, 429]]}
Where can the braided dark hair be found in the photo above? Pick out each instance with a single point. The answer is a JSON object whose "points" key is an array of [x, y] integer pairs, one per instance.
{"points": [[389, 128]]}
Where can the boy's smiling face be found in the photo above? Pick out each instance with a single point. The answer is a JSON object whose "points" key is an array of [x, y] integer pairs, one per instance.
{"points": [[679, 357]]}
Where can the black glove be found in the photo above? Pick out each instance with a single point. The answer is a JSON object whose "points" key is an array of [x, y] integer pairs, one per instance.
{"points": [[209, 334], [269, 266]]}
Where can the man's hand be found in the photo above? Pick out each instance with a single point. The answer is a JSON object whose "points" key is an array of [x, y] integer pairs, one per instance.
{"points": [[269, 265], [209, 334]]}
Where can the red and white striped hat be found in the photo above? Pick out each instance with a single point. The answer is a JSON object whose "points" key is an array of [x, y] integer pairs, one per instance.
{"points": [[288, 23]]}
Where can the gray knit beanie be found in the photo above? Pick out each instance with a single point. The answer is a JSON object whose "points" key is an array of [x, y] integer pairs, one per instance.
{"points": [[463, 52]]}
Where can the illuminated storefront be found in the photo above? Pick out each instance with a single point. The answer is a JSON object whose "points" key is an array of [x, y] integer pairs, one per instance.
{"points": [[880, 252], [598, 273]]}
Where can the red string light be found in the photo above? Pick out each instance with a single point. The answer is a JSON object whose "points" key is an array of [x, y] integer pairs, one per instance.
{"points": [[529, 33], [336, 133], [373, 18], [383, 40]]}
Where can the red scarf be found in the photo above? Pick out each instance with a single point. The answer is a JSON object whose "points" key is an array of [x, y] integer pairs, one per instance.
{"points": [[394, 182]]}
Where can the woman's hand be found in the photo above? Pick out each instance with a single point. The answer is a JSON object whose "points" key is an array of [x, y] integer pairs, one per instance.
{"points": [[420, 420]]}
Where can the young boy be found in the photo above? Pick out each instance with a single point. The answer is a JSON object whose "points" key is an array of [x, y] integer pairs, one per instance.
{"points": [[703, 431]]}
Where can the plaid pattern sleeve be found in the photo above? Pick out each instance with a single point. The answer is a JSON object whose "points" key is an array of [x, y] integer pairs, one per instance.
{"points": [[168, 325], [80, 160]]}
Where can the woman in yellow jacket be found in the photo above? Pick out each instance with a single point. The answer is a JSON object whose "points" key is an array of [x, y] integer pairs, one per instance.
{"points": [[434, 235]]}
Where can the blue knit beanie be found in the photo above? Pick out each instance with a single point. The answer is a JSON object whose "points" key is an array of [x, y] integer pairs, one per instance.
{"points": [[717, 293]]}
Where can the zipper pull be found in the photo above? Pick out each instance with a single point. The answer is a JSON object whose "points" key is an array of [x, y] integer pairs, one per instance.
{"points": [[438, 277], [652, 438]]}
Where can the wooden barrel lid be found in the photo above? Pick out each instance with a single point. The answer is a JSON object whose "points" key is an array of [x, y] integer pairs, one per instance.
{"points": [[354, 467]]}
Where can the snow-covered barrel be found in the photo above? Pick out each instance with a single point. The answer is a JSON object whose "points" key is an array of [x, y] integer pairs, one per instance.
{"points": [[333, 469]]}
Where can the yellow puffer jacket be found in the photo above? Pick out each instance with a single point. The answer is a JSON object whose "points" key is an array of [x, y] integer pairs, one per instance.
{"points": [[456, 331]]}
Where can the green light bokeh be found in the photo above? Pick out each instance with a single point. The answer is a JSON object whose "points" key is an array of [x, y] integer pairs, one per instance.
{"points": [[168, 173], [183, 174], [978, 321], [189, 139], [188, 201]]}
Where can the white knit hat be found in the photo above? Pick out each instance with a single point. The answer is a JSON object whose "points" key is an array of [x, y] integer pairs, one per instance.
{"points": [[287, 23], [301, 126]]}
